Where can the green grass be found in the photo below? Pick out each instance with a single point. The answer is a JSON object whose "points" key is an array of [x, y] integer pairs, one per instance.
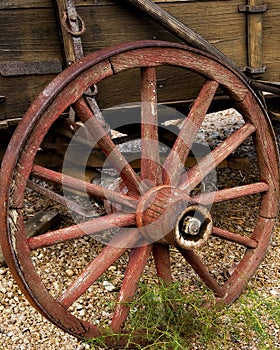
{"points": [[174, 321]]}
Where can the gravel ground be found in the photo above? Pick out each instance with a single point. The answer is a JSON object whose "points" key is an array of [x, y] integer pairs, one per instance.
{"points": [[22, 327]]}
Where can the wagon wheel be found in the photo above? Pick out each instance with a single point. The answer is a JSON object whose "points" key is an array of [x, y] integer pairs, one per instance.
{"points": [[159, 212]]}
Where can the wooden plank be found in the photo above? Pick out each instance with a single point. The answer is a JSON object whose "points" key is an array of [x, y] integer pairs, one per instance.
{"points": [[107, 18], [32, 35], [29, 41], [255, 36], [106, 2], [109, 25], [19, 93], [18, 4], [115, 24], [18, 68], [255, 41]]}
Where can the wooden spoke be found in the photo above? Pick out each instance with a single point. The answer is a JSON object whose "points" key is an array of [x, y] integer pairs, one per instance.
{"points": [[83, 186], [197, 173], [193, 259], [117, 246], [230, 193], [236, 238], [252, 259], [66, 202], [90, 227], [175, 161], [161, 255], [150, 162], [108, 147], [137, 262]]}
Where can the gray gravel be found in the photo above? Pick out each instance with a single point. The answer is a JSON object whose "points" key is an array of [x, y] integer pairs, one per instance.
{"points": [[22, 327]]}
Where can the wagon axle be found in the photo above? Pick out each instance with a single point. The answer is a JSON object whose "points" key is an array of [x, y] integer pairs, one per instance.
{"points": [[167, 215]]}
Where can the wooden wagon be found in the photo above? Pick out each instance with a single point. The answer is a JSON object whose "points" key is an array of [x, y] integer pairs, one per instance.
{"points": [[107, 73]]}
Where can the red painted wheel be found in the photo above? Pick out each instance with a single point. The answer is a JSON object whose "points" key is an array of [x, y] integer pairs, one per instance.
{"points": [[155, 209]]}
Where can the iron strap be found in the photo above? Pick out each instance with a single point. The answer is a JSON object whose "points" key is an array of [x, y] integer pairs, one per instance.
{"points": [[252, 9]]}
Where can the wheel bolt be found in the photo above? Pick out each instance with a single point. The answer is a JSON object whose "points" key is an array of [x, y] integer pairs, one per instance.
{"points": [[191, 225]]}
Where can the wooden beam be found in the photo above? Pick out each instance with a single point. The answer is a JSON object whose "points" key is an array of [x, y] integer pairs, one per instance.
{"points": [[254, 11]]}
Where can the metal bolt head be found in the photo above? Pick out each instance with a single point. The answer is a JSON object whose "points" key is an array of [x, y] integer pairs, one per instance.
{"points": [[191, 226]]}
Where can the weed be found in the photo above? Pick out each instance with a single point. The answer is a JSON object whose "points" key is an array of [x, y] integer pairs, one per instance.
{"points": [[172, 320]]}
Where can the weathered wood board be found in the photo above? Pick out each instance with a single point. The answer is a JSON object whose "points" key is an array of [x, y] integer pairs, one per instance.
{"points": [[30, 46]]}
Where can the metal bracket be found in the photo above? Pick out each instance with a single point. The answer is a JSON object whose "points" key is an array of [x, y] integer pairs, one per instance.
{"points": [[70, 21], [251, 70], [252, 9], [73, 27]]}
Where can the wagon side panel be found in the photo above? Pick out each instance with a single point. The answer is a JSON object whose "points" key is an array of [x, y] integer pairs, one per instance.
{"points": [[30, 54]]}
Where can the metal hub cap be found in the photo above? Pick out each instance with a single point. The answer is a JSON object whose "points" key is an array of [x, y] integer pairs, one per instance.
{"points": [[194, 227], [167, 215]]}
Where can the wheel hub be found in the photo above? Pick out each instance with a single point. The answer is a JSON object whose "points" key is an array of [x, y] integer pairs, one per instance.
{"points": [[165, 214]]}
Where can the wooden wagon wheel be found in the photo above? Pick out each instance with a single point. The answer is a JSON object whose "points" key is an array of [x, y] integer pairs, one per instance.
{"points": [[159, 209]]}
